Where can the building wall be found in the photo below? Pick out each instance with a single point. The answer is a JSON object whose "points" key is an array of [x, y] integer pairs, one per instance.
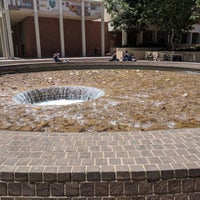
{"points": [[115, 39], [50, 37], [93, 37], [18, 40], [29, 38], [72, 35]]}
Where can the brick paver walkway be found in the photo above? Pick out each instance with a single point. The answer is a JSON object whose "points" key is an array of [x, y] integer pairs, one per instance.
{"points": [[83, 152]]}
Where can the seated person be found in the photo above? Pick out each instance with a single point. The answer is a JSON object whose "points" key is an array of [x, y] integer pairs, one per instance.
{"points": [[56, 56], [132, 58], [126, 56], [150, 56], [114, 57], [129, 57]]}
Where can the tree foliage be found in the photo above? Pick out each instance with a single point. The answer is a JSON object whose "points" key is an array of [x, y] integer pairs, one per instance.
{"points": [[127, 14], [173, 16]]}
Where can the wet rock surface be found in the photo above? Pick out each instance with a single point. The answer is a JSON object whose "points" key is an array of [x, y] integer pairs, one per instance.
{"points": [[133, 100]]}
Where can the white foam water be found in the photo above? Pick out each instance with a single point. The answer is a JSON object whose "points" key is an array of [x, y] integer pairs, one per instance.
{"points": [[59, 102], [58, 95]]}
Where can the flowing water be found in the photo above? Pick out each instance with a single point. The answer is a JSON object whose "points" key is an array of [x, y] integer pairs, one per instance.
{"points": [[58, 95]]}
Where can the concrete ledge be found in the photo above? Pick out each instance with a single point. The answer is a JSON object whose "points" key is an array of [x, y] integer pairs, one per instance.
{"points": [[142, 65], [93, 62]]}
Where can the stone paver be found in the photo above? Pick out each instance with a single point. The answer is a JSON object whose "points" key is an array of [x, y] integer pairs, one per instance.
{"points": [[85, 152]]}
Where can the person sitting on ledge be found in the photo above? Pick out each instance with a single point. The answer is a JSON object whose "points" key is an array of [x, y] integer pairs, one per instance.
{"points": [[56, 56], [129, 57], [114, 56]]}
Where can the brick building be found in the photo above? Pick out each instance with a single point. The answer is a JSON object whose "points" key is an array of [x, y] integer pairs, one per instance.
{"points": [[37, 28]]}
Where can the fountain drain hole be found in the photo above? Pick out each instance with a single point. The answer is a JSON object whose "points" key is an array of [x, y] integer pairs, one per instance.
{"points": [[58, 95]]}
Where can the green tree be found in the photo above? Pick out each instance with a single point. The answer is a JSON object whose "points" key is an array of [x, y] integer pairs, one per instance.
{"points": [[127, 14], [172, 16]]}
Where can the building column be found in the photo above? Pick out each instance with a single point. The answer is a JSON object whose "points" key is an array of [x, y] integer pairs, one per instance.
{"points": [[8, 31], [190, 38], [156, 36], [4, 37], [102, 30], [168, 38], [124, 38], [62, 41], [83, 28], [2, 40], [198, 40], [37, 31]]}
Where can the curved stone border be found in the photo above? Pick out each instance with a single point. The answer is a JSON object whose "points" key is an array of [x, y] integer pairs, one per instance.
{"points": [[145, 165], [18, 66]]}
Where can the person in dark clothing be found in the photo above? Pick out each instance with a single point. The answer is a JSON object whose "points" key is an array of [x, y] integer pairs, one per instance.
{"points": [[56, 56], [129, 57], [126, 56], [114, 57]]}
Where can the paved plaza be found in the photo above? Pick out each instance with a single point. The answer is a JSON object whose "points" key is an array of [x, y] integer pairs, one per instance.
{"points": [[85, 152]]}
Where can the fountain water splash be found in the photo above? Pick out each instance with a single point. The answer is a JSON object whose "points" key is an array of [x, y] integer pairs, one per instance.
{"points": [[72, 94]]}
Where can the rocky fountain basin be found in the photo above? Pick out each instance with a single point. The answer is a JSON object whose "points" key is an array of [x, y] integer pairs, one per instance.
{"points": [[133, 100]]}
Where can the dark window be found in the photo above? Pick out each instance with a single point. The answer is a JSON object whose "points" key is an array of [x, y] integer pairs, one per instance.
{"points": [[195, 37], [184, 38]]}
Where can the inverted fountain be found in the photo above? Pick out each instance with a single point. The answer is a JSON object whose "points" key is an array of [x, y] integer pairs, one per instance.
{"points": [[58, 95]]}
